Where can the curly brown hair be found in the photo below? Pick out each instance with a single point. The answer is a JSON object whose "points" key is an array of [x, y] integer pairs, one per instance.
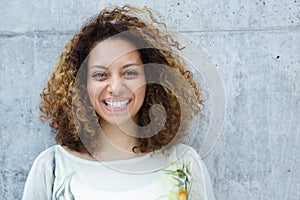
{"points": [[68, 107]]}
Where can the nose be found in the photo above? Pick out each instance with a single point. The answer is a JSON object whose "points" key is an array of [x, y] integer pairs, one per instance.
{"points": [[115, 86]]}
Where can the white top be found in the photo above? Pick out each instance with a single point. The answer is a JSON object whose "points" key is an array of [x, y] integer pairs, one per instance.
{"points": [[177, 173]]}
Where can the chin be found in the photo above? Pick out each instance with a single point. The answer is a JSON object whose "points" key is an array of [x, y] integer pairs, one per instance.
{"points": [[117, 120]]}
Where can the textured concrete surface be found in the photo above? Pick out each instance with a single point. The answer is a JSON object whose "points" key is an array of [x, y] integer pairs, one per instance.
{"points": [[255, 44]]}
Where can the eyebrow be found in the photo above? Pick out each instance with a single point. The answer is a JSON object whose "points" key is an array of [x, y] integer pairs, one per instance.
{"points": [[123, 67]]}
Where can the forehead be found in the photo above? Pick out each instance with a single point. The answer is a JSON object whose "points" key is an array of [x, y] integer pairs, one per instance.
{"points": [[110, 51]]}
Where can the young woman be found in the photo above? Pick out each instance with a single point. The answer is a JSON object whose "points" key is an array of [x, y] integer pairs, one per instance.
{"points": [[120, 101]]}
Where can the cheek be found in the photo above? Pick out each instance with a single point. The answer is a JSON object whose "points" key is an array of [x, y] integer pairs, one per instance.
{"points": [[93, 90], [140, 93], [137, 86], [142, 90]]}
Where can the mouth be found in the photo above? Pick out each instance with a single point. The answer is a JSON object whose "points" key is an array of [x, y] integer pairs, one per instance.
{"points": [[116, 104]]}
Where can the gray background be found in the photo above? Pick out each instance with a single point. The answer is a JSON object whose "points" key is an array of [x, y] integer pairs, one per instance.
{"points": [[255, 45]]}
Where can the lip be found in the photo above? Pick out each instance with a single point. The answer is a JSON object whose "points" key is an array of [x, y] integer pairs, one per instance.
{"points": [[116, 104]]}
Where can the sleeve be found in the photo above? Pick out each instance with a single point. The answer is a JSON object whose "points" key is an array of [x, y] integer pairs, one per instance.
{"points": [[39, 182], [201, 186]]}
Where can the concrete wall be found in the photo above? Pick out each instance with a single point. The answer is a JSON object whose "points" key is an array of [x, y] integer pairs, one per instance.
{"points": [[255, 45]]}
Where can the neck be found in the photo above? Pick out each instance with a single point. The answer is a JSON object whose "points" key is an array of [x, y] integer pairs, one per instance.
{"points": [[116, 143]]}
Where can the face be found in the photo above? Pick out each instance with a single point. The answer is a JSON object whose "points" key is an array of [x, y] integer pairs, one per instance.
{"points": [[116, 81]]}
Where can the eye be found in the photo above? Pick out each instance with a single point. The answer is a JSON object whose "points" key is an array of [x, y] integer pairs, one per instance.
{"points": [[99, 76], [131, 73]]}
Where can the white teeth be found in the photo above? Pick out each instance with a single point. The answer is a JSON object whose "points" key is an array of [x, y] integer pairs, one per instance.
{"points": [[117, 104]]}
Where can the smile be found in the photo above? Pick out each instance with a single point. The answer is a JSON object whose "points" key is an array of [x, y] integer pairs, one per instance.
{"points": [[117, 104]]}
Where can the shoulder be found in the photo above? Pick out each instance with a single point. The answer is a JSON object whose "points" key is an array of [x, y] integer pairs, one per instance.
{"points": [[46, 154], [45, 159], [185, 154], [40, 178], [184, 151], [180, 154]]}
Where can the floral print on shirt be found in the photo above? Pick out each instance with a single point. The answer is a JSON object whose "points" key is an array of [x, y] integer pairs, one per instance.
{"points": [[177, 180]]}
